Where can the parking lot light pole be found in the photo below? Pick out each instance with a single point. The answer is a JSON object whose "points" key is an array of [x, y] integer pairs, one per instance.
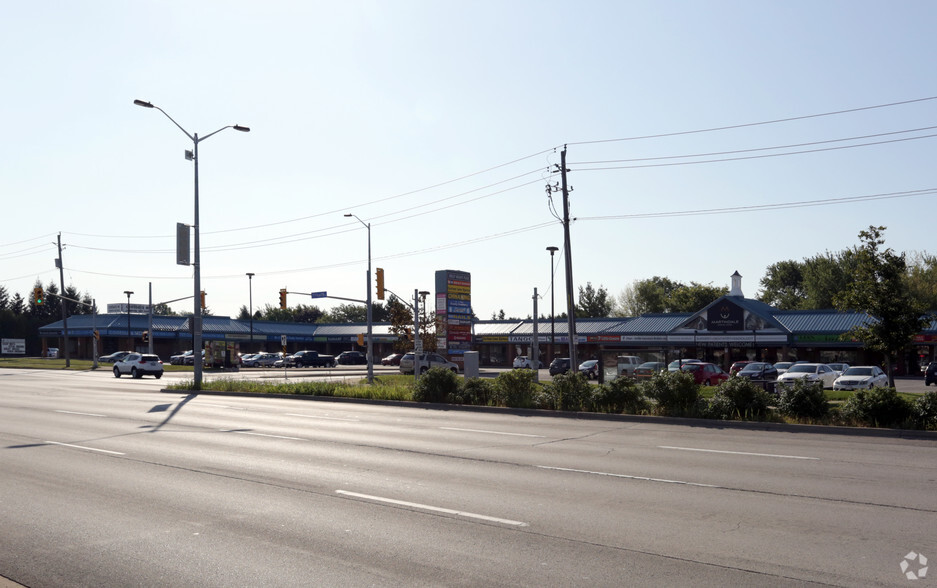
{"points": [[197, 307], [552, 249], [368, 302], [250, 298], [128, 293]]}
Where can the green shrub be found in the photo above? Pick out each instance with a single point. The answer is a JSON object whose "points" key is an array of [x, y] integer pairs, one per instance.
{"points": [[742, 398], [514, 389], [676, 393], [566, 392], [719, 407], [878, 407], [621, 395], [477, 391], [437, 385], [803, 400], [924, 411]]}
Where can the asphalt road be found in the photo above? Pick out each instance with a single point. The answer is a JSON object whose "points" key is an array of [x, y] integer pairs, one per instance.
{"points": [[109, 482]]}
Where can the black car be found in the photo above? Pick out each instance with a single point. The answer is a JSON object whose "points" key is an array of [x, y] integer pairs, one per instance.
{"points": [[352, 358], [930, 375], [759, 371], [560, 365]]}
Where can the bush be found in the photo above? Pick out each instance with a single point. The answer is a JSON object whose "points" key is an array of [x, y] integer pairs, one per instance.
{"points": [[514, 389], [924, 411], [478, 391], [745, 399], [878, 407], [719, 407], [437, 385], [566, 392], [803, 400], [621, 395], [676, 393]]}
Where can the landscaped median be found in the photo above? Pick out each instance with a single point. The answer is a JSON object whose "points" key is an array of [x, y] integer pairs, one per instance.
{"points": [[673, 394], [44, 363]]}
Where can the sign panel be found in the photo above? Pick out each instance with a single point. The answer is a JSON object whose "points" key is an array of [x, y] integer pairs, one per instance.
{"points": [[318, 295], [182, 244], [13, 346], [454, 311], [725, 316]]}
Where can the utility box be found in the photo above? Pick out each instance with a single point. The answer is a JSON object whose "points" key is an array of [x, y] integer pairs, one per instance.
{"points": [[470, 367]]}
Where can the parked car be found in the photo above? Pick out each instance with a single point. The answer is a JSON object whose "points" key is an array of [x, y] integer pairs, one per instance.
{"points": [[930, 374], [759, 371], [113, 357], [524, 362], [179, 358], [838, 367], [190, 359], [737, 367], [706, 374], [308, 358], [283, 361], [392, 359], [649, 369], [139, 365], [352, 358], [812, 372], [783, 366], [265, 359], [590, 369], [425, 361], [674, 366], [52, 352], [626, 364], [560, 365], [864, 377]]}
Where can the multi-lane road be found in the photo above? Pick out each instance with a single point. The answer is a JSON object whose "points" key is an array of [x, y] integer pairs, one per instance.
{"points": [[109, 482]]}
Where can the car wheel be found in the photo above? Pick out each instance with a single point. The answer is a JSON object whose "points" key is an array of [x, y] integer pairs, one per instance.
{"points": [[159, 375], [134, 373], [116, 372], [455, 370]]}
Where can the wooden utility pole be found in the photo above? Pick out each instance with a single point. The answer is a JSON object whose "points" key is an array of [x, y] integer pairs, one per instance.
{"points": [[567, 249], [58, 262]]}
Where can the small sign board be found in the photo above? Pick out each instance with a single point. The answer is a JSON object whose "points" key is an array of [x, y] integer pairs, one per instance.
{"points": [[283, 340], [318, 295], [14, 346]]}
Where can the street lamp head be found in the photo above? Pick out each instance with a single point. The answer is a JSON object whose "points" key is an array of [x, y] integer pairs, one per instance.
{"points": [[552, 249], [348, 215], [249, 275], [242, 129], [143, 104]]}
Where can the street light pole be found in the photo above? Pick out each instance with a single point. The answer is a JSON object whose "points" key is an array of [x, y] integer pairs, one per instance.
{"points": [[250, 298], [368, 302], [197, 307], [552, 250], [128, 293]]}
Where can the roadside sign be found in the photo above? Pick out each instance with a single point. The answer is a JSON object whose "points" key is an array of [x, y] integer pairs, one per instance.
{"points": [[283, 340], [418, 345], [318, 295]]}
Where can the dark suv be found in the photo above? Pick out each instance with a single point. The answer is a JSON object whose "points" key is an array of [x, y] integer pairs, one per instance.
{"points": [[930, 375], [352, 357], [560, 365]]}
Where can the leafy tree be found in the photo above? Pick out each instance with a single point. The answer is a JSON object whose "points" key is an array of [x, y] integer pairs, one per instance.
{"points": [[695, 296], [593, 303], [401, 322], [302, 313], [162, 309], [345, 313], [878, 287], [646, 296], [825, 276], [922, 279], [783, 285]]}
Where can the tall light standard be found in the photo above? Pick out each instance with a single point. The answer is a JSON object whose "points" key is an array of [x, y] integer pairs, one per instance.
{"points": [[250, 298], [128, 293], [197, 307], [368, 301], [552, 250]]}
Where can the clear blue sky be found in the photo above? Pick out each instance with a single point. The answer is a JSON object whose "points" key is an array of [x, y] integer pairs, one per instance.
{"points": [[437, 122]]}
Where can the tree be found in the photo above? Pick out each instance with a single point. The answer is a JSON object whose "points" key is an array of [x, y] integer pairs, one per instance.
{"points": [[825, 276], [879, 288], [4, 298], [647, 296], [783, 285], [694, 297], [593, 303], [345, 313], [401, 322], [922, 280], [303, 313]]}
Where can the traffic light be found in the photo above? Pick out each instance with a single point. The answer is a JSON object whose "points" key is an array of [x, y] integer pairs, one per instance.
{"points": [[380, 283], [146, 336], [283, 298], [409, 333], [97, 335], [39, 296], [202, 294], [361, 339]]}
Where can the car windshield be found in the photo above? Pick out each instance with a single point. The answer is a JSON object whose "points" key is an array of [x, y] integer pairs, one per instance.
{"points": [[692, 367], [783, 365], [803, 369], [858, 371], [676, 363], [754, 367], [589, 364]]}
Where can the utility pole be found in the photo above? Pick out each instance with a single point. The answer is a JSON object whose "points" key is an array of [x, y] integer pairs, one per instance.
{"points": [[149, 332], [535, 344], [59, 263], [567, 247]]}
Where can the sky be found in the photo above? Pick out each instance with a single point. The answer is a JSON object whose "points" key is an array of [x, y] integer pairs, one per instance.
{"points": [[702, 138]]}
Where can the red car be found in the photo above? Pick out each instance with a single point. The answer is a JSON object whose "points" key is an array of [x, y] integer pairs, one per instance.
{"points": [[392, 359], [706, 374], [737, 367]]}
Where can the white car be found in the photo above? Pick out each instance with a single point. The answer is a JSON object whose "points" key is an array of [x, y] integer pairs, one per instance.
{"points": [[861, 377], [425, 362], [524, 362], [839, 367], [139, 365], [812, 372]]}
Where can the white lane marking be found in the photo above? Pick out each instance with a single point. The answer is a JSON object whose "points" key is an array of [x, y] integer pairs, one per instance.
{"points": [[489, 432], [433, 508], [81, 413], [643, 478], [738, 452], [262, 435], [328, 418], [83, 447]]}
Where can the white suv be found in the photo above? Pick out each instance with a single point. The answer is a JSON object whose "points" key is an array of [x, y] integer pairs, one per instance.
{"points": [[626, 365], [138, 365], [425, 362]]}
